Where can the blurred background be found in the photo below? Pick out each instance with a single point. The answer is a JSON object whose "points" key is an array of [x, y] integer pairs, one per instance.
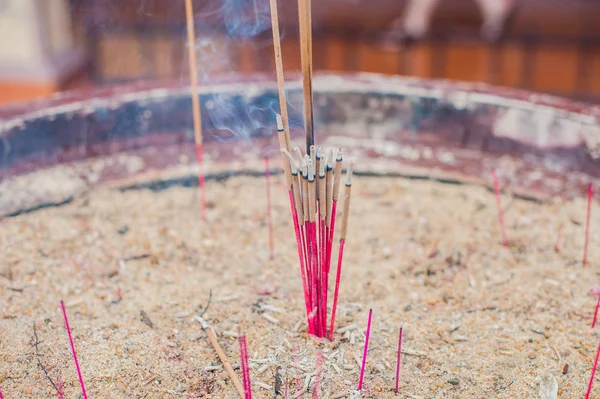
{"points": [[550, 46]]}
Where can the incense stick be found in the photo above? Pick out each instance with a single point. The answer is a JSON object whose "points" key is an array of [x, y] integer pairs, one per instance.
{"points": [[222, 356], [594, 367], [279, 73], [245, 366], [596, 312], [366, 349], [270, 219], [398, 361], [189, 13], [68, 328], [343, 234], [587, 222], [305, 23], [500, 212]]}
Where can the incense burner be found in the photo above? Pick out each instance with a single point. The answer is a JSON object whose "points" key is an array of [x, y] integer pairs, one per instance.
{"points": [[122, 242], [438, 129]]}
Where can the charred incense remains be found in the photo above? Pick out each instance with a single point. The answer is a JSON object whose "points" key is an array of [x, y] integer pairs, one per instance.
{"points": [[191, 33], [313, 181]]}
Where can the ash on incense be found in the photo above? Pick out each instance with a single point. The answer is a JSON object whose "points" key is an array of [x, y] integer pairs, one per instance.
{"points": [[479, 319]]}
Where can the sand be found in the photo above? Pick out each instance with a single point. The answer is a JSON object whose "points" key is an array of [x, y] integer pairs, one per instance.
{"points": [[480, 320]]}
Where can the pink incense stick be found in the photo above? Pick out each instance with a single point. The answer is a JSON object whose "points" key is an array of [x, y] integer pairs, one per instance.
{"points": [[337, 289], [500, 212], [398, 361], [364, 360], [589, 390], [200, 153], [587, 222], [1, 396], [64, 311], [596, 312], [270, 219], [245, 366]]}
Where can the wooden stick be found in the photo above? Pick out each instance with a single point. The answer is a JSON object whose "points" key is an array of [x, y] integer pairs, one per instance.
{"points": [[189, 13], [279, 72], [304, 19], [213, 341]]}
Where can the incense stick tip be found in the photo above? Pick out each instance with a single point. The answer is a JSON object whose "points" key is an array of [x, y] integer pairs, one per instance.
{"points": [[279, 122], [349, 173]]}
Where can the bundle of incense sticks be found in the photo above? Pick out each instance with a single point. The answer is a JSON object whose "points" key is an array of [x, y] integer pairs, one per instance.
{"points": [[313, 183]]}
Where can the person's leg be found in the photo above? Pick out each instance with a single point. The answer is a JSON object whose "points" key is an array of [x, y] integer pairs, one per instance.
{"points": [[416, 18], [495, 13]]}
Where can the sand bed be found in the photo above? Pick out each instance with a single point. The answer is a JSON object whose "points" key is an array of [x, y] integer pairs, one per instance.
{"points": [[480, 320]]}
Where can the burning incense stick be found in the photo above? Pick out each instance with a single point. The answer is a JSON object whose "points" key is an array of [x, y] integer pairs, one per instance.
{"points": [[594, 367], [64, 311], [587, 222], [398, 361], [245, 366], [189, 13], [500, 212], [364, 359], [596, 312], [222, 356], [279, 72], [270, 220], [304, 19]]}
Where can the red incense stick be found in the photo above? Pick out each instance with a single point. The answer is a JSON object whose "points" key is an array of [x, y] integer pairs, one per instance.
{"points": [[245, 366], [336, 292], [500, 212], [270, 219], [364, 360], [398, 361], [587, 222], [62, 304], [596, 312], [589, 390]]}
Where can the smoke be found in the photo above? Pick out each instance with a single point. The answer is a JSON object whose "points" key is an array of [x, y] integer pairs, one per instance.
{"points": [[240, 29], [246, 18]]}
